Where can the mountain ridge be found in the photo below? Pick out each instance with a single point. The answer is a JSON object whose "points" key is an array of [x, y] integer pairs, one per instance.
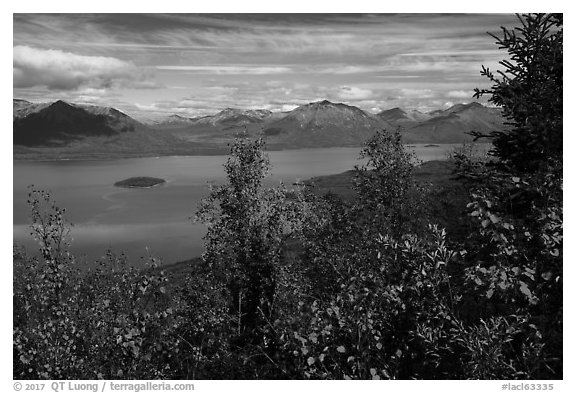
{"points": [[323, 124], [59, 122], [316, 124]]}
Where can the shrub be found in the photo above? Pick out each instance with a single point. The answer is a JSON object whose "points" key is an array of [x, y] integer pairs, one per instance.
{"points": [[110, 322]]}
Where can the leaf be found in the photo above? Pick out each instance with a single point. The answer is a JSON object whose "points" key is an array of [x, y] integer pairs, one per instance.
{"points": [[489, 293], [341, 349], [555, 252], [525, 290], [311, 360]]}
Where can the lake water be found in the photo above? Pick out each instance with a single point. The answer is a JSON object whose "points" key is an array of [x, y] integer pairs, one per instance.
{"points": [[156, 220]]}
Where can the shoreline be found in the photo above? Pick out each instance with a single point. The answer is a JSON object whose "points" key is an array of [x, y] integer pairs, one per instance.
{"points": [[30, 157]]}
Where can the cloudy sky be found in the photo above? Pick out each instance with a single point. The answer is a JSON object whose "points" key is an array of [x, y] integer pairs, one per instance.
{"points": [[154, 65]]}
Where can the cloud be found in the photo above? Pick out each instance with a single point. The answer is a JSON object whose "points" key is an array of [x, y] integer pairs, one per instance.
{"points": [[228, 69], [417, 93], [353, 93], [288, 107], [459, 94], [346, 69], [59, 70]]}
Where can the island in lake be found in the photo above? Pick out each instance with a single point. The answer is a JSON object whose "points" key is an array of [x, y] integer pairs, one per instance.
{"points": [[140, 182]]}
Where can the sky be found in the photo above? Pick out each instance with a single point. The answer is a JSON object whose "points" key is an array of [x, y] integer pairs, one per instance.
{"points": [[154, 65]]}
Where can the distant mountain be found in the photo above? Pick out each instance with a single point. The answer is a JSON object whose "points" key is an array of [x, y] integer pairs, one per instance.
{"points": [[59, 122], [235, 117], [176, 120], [19, 105], [453, 124], [223, 124], [323, 124], [403, 119], [61, 129], [22, 108], [64, 130]]}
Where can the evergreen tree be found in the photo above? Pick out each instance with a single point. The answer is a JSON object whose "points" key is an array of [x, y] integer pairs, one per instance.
{"points": [[529, 90]]}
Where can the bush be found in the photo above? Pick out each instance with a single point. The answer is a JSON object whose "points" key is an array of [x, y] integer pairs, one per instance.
{"points": [[111, 322]]}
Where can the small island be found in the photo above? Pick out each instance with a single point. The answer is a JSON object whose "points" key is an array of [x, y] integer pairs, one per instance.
{"points": [[140, 182]]}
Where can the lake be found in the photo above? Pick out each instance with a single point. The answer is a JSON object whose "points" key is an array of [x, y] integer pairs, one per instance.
{"points": [[154, 221]]}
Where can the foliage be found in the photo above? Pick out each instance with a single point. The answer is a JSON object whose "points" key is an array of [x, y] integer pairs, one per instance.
{"points": [[107, 323], [515, 253], [247, 227], [203, 327], [350, 304], [388, 195], [295, 285], [400, 315], [517, 200], [529, 90]]}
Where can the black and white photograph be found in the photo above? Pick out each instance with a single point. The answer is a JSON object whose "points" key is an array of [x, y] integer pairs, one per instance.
{"points": [[287, 196]]}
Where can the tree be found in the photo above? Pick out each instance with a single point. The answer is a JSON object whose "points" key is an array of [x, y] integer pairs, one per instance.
{"points": [[515, 254], [529, 90], [247, 227], [388, 195]]}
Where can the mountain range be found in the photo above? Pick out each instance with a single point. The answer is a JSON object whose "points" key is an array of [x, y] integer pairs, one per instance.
{"points": [[66, 130], [74, 130], [451, 125]]}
